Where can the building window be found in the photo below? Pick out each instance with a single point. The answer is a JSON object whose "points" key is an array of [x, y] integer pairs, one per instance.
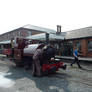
{"points": [[56, 46], [78, 45], [29, 33], [89, 45], [19, 33]]}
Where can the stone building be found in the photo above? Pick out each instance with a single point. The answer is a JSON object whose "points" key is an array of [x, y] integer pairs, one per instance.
{"points": [[24, 32]]}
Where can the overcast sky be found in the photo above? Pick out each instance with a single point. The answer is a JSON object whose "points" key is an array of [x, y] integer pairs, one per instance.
{"points": [[70, 14]]}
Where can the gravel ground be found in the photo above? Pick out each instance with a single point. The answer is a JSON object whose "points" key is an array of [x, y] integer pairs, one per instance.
{"points": [[13, 79]]}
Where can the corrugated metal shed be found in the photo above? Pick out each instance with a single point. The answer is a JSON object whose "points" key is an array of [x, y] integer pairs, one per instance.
{"points": [[5, 42], [42, 37]]}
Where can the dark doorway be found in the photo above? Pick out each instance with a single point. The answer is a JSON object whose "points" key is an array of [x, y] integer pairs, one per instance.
{"points": [[67, 49]]}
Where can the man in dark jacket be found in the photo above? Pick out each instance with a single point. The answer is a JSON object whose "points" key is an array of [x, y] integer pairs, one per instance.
{"points": [[48, 54]]}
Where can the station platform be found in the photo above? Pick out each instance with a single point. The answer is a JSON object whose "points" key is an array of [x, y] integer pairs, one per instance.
{"points": [[84, 59]]}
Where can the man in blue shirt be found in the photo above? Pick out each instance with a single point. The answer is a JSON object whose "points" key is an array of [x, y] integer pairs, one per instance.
{"points": [[76, 60]]}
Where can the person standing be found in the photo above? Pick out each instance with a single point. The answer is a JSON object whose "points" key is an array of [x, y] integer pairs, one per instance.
{"points": [[76, 60], [37, 57]]}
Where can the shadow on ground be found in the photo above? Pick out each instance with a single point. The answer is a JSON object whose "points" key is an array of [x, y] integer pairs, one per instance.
{"points": [[51, 83]]}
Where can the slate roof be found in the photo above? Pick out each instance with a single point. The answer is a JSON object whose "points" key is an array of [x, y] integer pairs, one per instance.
{"points": [[79, 33], [32, 27]]}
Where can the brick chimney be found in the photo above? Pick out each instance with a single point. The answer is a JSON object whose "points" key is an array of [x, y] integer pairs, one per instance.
{"points": [[58, 29]]}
